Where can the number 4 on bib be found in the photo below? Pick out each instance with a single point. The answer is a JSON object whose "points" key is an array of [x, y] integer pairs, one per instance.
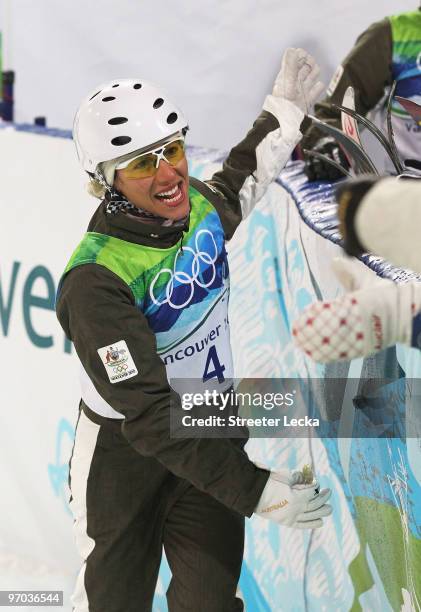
{"points": [[212, 360]]}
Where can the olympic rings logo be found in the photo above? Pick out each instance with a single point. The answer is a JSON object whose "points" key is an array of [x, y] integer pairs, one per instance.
{"points": [[182, 277], [120, 368]]}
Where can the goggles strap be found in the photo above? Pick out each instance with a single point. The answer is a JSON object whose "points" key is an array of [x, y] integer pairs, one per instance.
{"points": [[98, 176]]}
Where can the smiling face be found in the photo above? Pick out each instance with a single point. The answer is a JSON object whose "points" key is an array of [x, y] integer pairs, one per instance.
{"points": [[165, 194]]}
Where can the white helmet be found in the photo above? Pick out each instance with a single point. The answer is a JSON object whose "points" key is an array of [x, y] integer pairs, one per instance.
{"points": [[121, 117]]}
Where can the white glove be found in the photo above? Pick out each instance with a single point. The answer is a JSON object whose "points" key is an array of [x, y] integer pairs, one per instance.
{"points": [[377, 314], [297, 80], [287, 502]]}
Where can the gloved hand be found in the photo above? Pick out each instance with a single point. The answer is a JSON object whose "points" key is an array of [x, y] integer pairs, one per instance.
{"points": [[318, 170], [287, 501], [376, 314], [349, 196], [297, 80]]}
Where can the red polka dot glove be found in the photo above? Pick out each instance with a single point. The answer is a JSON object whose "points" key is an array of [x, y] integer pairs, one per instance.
{"points": [[377, 313]]}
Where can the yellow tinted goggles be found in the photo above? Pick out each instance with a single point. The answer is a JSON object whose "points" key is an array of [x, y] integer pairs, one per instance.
{"points": [[147, 164]]}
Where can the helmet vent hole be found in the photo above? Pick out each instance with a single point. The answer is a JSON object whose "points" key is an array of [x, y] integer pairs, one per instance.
{"points": [[172, 118], [118, 141], [137, 85], [116, 85], [108, 98], [98, 92], [117, 120], [158, 102]]}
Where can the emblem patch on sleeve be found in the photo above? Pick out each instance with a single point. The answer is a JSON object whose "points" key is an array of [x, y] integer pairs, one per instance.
{"points": [[117, 361]]}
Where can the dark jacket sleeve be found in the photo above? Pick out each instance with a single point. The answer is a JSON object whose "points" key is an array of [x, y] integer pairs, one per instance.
{"points": [[96, 309], [368, 68]]}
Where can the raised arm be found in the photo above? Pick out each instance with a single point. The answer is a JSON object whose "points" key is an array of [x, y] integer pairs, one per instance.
{"points": [[256, 161]]}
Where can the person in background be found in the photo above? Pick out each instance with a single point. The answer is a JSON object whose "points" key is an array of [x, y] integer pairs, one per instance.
{"points": [[389, 50]]}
